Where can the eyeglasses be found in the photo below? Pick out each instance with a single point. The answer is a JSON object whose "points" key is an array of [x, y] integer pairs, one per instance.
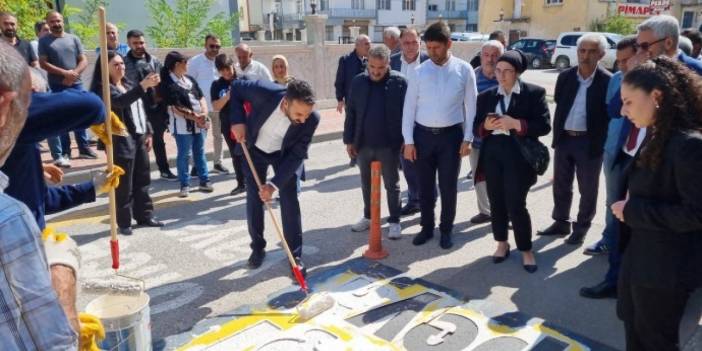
{"points": [[215, 46], [646, 46]]}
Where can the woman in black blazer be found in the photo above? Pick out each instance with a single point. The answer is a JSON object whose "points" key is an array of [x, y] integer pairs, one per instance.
{"points": [[505, 114], [662, 211], [130, 152]]}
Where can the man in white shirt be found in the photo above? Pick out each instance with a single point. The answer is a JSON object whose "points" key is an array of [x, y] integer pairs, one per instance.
{"points": [[249, 68], [202, 68], [437, 126]]}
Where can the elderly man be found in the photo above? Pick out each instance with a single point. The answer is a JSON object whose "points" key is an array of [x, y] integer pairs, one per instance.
{"points": [[579, 133], [406, 62], [658, 36], [113, 43], [485, 79], [34, 316], [437, 126], [391, 39], [373, 132], [202, 68], [496, 35], [8, 24], [247, 67]]}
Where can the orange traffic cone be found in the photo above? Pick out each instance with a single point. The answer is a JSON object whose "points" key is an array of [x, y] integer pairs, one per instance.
{"points": [[375, 249]]}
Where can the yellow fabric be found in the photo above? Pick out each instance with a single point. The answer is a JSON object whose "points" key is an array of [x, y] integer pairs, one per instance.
{"points": [[91, 332], [112, 179], [118, 128], [50, 234]]}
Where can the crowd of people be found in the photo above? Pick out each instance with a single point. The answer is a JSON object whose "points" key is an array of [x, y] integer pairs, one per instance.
{"points": [[416, 111]]}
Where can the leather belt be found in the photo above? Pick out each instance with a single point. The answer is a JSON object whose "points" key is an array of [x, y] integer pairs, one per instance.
{"points": [[436, 131], [575, 133]]}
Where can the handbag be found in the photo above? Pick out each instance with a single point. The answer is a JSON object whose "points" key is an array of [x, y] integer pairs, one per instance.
{"points": [[534, 152]]}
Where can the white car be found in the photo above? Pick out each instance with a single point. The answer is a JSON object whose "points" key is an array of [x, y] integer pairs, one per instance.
{"points": [[474, 37], [566, 52]]}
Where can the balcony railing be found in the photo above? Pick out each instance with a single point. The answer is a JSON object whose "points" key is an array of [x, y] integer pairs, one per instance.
{"points": [[448, 14], [691, 2], [350, 13]]}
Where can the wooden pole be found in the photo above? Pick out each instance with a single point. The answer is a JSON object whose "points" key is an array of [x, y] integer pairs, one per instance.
{"points": [[104, 68], [375, 249]]}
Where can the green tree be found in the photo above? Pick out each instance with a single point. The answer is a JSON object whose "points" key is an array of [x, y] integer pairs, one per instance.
{"points": [[83, 21], [27, 12], [616, 24], [184, 24]]}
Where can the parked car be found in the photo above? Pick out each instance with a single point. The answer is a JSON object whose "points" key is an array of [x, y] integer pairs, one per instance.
{"points": [[537, 51], [566, 53], [468, 36]]}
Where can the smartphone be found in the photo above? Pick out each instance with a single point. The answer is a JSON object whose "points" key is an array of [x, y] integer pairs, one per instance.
{"points": [[493, 115]]}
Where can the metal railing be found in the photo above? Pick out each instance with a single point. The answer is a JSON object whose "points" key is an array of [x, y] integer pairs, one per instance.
{"points": [[350, 13], [448, 14]]}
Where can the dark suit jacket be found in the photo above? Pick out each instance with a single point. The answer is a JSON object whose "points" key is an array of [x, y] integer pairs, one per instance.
{"points": [[567, 86], [396, 60], [664, 214], [395, 89], [264, 98], [349, 66], [124, 147]]}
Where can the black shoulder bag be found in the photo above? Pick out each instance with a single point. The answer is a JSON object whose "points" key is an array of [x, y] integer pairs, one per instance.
{"points": [[533, 151]]}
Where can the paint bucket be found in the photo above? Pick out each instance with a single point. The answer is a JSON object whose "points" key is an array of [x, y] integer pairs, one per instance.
{"points": [[126, 321]]}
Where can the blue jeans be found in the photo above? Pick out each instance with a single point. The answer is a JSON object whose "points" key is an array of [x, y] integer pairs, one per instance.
{"points": [[616, 187], [191, 144], [62, 145]]}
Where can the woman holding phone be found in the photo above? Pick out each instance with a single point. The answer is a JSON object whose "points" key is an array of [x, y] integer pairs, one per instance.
{"points": [[505, 114]]}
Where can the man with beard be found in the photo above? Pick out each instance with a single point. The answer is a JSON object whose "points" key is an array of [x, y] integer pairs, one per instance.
{"points": [[8, 24], [278, 132], [61, 56]]}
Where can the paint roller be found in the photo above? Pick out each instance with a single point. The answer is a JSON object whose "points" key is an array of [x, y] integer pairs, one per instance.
{"points": [[312, 305]]}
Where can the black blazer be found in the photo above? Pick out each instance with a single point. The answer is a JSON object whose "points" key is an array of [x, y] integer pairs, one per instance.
{"points": [[529, 105], [264, 97], [664, 218], [350, 65], [124, 147], [597, 118], [396, 60], [395, 89]]}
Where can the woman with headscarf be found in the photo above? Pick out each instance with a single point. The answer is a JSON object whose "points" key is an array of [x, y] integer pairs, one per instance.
{"points": [[130, 152], [662, 212], [506, 116], [188, 123]]}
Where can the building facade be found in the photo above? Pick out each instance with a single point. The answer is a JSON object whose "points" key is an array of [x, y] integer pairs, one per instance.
{"points": [[548, 18], [691, 13]]}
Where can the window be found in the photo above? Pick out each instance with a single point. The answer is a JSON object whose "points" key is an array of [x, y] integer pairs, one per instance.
{"points": [[409, 5], [688, 17], [432, 7], [554, 2], [450, 5], [570, 40], [358, 4], [323, 5], [383, 4]]}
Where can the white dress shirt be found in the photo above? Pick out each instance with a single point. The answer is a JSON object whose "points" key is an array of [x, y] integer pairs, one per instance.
{"points": [[506, 98], [270, 137], [254, 71], [440, 96], [639, 140], [577, 116], [205, 73], [409, 70]]}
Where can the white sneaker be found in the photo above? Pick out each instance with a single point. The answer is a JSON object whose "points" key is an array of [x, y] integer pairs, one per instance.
{"points": [[184, 191], [394, 231], [361, 226], [62, 162]]}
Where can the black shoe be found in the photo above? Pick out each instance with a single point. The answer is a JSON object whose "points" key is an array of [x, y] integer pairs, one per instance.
{"points": [[193, 172], [409, 209], [423, 237], [531, 268], [480, 218], [577, 237], [500, 259], [220, 169], [556, 229], [352, 163], [445, 242], [256, 258], [238, 190], [206, 187], [87, 154], [169, 176], [150, 223], [303, 269], [598, 249], [125, 230], [602, 290]]}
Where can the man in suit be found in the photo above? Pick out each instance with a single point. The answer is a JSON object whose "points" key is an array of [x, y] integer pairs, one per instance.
{"points": [[579, 133], [406, 63], [496, 35], [373, 132], [623, 140], [278, 131], [437, 126], [658, 36]]}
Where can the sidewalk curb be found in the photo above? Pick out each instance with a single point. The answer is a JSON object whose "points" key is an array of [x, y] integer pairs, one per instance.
{"points": [[84, 174]]}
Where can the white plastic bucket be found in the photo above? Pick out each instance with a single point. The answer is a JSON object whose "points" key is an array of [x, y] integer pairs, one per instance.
{"points": [[126, 321]]}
